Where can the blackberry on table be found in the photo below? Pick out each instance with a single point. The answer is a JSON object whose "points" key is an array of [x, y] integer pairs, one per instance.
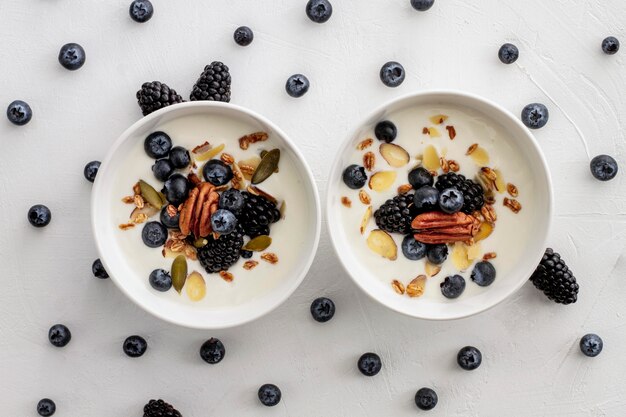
{"points": [[221, 253], [156, 95], [473, 193], [555, 279], [257, 214], [396, 214], [159, 408], [213, 84]]}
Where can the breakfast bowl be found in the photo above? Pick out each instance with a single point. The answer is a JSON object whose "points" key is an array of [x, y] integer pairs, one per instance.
{"points": [[205, 214], [439, 205]]}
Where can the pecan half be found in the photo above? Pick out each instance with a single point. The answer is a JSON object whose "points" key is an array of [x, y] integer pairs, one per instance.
{"points": [[194, 178], [451, 132], [436, 227], [245, 141], [369, 160], [186, 214], [364, 144]]}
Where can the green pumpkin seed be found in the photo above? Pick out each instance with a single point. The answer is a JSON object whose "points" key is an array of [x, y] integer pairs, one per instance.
{"points": [[258, 244], [267, 166], [200, 242], [179, 272], [151, 195]]}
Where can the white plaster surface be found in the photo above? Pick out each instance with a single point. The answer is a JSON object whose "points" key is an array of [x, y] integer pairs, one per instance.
{"points": [[532, 365]]}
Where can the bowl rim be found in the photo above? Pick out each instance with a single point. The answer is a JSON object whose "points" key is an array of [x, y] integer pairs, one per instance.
{"points": [[450, 93], [305, 171]]}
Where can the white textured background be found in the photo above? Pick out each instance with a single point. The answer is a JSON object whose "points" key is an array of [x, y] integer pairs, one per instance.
{"points": [[532, 365]]}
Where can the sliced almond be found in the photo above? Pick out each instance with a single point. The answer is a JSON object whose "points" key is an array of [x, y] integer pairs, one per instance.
{"points": [[397, 286], [499, 182], [430, 161], [480, 156], [431, 269], [382, 243], [416, 287], [382, 180], [195, 286], [433, 132], [474, 251], [283, 210], [459, 256], [210, 153], [438, 119], [395, 155], [484, 231], [365, 219]]}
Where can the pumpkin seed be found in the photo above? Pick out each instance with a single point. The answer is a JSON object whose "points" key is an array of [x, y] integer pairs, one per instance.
{"points": [[179, 272], [258, 244], [267, 166], [150, 195], [200, 242]]}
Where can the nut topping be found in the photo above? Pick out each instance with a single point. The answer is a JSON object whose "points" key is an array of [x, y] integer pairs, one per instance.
{"points": [[139, 202], [346, 201], [397, 286], [270, 257], [364, 197], [489, 255], [443, 163], [227, 276], [436, 227], [129, 199], [512, 190], [248, 265], [489, 213], [227, 158], [246, 141], [364, 144], [471, 149], [404, 188], [369, 160], [438, 119], [451, 132], [416, 287], [453, 165], [513, 204], [126, 226]]}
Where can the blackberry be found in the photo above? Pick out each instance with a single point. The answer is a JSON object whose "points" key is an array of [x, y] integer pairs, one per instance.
{"points": [[257, 214], [221, 253], [213, 84], [396, 214], [159, 408], [555, 279], [156, 95], [473, 193]]}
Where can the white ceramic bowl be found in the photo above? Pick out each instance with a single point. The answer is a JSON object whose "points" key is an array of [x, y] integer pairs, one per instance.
{"points": [[522, 264], [135, 286]]}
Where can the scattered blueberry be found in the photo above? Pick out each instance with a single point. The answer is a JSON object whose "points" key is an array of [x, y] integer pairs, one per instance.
{"points": [[437, 254], [212, 351], [154, 234], [59, 335], [451, 200], [420, 177], [160, 280], [91, 170], [19, 112], [46, 407], [508, 53], [176, 189], [179, 157], [217, 172], [413, 249], [141, 10], [392, 74], [243, 36], [162, 169], [223, 222], [483, 274], [171, 222], [354, 176], [603, 167], [535, 115], [370, 364], [453, 286], [98, 269], [319, 11], [297, 85], [157, 145], [386, 131], [39, 215], [422, 5], [469, 358], [232, 200], [322, 309], [426, 399], [591, 345], [610, 45], [426, 198], [135, 346], [72, 56], [246, 254], [269, 395]]}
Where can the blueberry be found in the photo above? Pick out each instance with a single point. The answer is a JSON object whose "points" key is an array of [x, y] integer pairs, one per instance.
{"points": [[19, 112], [386, 131], [91, 170], [72, 56], [322, 309], [603, 167], [162, 169], [269, 395], [422, 5], [453, 286], [354, 176], [217, 172], [246, 254], [369, 364], [426, 198], [469, 358], [437, 254], [179, 157], [610, 45], [420, 177], [46, 407], [483, 274], [243, 36], [535, 115], [154, 234], [59, 335], [297, 85], [232, 200], [392, 74], [157, 145], [171, 222], [508, 53], [451, 200], [98, 269], [212, 351], [141, 10], [223, 221], [412, 249], [135, 346], [591, 345], [319, 11], [39, 215], [176, 189], [426, 399], [160, 280]]}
